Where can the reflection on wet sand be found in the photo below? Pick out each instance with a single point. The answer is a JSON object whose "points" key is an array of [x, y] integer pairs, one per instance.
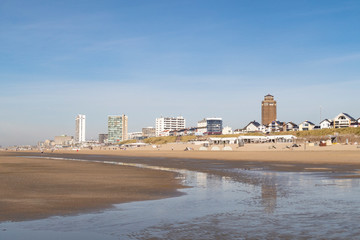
{"points": [[268, 193]]}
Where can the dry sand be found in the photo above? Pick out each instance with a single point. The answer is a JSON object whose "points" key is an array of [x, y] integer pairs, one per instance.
{"points": [[335, 154], [36, 188]]}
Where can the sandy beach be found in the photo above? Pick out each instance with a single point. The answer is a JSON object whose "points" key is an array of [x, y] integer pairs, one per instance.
{"points": [[35, 188], [266, 152]]}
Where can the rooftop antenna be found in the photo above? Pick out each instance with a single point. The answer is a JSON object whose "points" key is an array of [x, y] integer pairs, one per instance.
{"points": [[320, 113]]}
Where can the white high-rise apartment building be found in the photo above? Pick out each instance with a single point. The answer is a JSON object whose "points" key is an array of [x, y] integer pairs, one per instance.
{"points": [[168, 123], [80, 128]]}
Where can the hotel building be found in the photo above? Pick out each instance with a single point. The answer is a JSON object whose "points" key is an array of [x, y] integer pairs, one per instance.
{"points": [[80, 128], [168, 123], [210, 126], [148, 132], [117, 128], [103, 137], [268, 110]]}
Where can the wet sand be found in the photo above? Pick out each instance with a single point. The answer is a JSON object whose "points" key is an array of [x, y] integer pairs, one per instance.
{"points": [[32, 188]]}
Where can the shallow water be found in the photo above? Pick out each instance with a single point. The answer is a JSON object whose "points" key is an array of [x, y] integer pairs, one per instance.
{"points": [[284, 206]]}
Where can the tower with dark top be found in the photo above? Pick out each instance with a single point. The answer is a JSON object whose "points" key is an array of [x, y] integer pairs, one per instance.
{"points": [[268, 110]]}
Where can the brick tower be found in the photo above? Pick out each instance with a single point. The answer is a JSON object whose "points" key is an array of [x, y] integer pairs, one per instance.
{"points": [[268, 110]]}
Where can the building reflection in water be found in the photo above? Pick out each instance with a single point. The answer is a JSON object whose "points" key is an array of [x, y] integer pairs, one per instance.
{"points": [[269, 193]]}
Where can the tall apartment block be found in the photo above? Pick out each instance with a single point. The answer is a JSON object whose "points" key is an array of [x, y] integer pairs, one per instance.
{"points": [[168, 123], [80, 128], [117, 128], [268, 110]]}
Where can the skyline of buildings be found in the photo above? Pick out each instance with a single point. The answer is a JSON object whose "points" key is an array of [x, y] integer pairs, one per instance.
{"points": [[175, 126]]}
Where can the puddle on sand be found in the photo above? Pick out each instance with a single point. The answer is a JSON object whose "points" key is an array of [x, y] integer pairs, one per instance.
{"points": [[283, 206]]}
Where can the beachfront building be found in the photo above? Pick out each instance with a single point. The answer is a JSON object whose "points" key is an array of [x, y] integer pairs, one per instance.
{"points": [[252, 127], [49, 143], [148, 132], [268, 110], [117, 128], [227, 130], [210, 126], [343, 120], [263, 128], [251, 139], [103, 137], [168, 123], [164, 133], [135, 136], [183, 132], [356, 123], [325, 124], [239, 131], [290, 126], [63, 140], [80, 128], [306, 126], [276, 126]]}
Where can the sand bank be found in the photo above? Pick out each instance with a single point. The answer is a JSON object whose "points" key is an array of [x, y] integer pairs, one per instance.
{"points": [[36, 188]]}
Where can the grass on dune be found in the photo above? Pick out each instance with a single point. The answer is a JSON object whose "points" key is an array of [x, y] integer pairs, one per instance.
{"points": [[300, 134]]}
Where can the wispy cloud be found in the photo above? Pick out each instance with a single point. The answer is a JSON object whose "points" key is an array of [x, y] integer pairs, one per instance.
{"points": [[337, 59], [324, 11], [114, 45]]}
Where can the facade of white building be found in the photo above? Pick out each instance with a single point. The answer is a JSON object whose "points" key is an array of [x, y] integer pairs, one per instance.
{"points": [[263, 128], [325, 124], [227, 130], [135, 135], [168, 123], [306, 126], [252, 127], [343, 120], [276, 126], [290, 126], [80, 128]]}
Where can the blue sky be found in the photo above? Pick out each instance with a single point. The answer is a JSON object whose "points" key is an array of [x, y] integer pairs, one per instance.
{"points": [[196, 58]]}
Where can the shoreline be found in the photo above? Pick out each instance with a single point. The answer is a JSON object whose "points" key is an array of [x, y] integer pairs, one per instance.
{"points": [[338, 164]]}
